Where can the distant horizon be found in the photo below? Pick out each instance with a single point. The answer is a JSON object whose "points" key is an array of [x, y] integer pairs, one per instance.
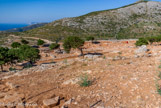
{"points": [[23, 23], [42, 11], [4, 26]]}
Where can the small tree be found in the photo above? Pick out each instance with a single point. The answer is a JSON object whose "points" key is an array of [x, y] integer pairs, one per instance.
{"points": [[28, 53], [141, 41], [13, 55], [15, 44], [23, 41], [3, 57], [90, 38], [40, 42], [73, 42], [54, 46]]}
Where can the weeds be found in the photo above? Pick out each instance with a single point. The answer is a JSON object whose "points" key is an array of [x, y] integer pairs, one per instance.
{"points": [[158, 86], [85, 82], [12, 69], [158, 89], [84, 64], [108, 64], [27, 66], [63, 67], [119, 53], [65, 61], [159, 75], [159, 66]]}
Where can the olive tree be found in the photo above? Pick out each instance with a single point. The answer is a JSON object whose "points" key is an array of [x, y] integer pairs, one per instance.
{"points": [[3, 56], [90, 38], [23, 41], [73, 42], [13, 55], [28, 53], [54, 46], [15, 44], [40, 42]]}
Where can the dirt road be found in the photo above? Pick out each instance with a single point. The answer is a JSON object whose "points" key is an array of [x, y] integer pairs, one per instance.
{"points": [[45, 40]]}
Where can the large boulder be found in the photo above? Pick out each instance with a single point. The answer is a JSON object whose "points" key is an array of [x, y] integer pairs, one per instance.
{"points": [[92, 56], [51, 102], [141, 51]]}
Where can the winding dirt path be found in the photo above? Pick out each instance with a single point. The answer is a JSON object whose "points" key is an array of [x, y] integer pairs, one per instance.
{"points": [[45, 40]]}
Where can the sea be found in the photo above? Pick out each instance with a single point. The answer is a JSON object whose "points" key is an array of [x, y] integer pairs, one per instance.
{"points": [[11, 26]]}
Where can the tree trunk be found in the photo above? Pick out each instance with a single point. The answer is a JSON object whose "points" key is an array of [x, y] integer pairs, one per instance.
{"points": [[59, 49], [31, 62], [81, 52], [1, 68]]}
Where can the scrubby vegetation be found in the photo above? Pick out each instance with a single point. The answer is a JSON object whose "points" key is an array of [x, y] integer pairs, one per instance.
{"points": [[141, 41], [23, 41], [18, 53], [73, 42], [158, 89], [40, 42], [158, 86], [148, 40], [85, 82], [54, 46], [90, 38], [3, 56], [102, 25], [15, 44], [159, 75]]}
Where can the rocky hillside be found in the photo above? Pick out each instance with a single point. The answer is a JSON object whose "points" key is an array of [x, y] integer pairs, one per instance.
{"points": [[123, 77], [131, 21]]}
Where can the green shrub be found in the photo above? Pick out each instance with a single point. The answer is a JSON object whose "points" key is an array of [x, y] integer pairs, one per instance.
{"points": [[3, 57], [159, 66], [85, 82], [28, 66], [73, 42], [90, 38], [154, 39], [151, 39], [40, 42], [28, 53], [23, 41], [159, 75], [145, 41], [158, 38], [15, 44], [141, 41], [12, 69], [159, 89], [54, 46], [65, 61]]}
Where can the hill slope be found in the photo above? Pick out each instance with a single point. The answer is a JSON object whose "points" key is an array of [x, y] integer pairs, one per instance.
{"points": [[131, 21]]}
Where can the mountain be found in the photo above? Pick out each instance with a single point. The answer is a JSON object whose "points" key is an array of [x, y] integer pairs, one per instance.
{"points": [[26, 28], [132, 21]]}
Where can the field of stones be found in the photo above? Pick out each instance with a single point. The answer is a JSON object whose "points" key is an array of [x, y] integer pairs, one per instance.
{"points": [[112, 74]]}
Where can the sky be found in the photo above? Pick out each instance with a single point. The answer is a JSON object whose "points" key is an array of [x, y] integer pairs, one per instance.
{"points": [[27, 11]]}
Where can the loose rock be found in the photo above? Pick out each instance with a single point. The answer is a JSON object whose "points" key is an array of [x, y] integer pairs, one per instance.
{"points": [[51, 102]]}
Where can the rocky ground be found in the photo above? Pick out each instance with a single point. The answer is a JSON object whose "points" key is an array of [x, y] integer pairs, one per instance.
{"points": [[123, 77]]}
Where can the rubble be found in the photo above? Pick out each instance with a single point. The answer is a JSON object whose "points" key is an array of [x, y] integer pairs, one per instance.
{"points": [[51, 102]]}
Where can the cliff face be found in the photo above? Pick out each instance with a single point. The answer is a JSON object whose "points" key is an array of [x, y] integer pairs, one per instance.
{"points": [[131, 21]]}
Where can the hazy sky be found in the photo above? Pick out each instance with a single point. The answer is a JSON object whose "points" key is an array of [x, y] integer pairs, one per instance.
{"points": [[26, 11]]}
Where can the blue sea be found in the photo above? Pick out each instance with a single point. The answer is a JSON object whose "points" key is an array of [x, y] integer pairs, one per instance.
{"points": [[11, 26]]}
